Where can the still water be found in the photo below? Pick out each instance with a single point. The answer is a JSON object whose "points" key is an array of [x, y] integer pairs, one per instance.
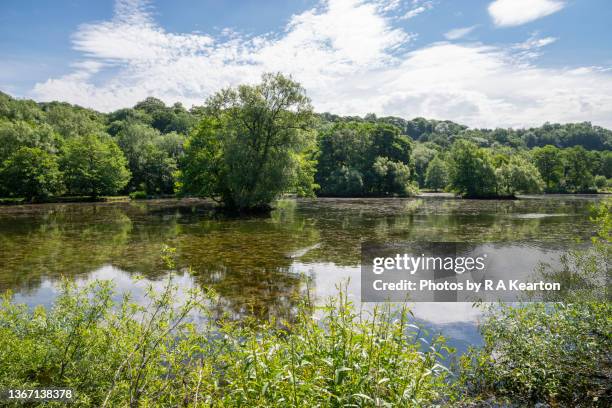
{"points": [[258, 264]]}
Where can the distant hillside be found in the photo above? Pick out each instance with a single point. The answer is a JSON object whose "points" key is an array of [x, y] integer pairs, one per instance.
{"points": [[67, 119], [444, 132]]}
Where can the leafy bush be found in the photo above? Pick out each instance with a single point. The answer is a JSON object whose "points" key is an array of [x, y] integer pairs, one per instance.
{"points": [[556, 353], [600, 182], [543, 353], [116, 353], [138, 195]]}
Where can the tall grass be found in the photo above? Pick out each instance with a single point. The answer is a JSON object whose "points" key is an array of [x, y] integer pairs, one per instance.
{"points": [[118, 353]]}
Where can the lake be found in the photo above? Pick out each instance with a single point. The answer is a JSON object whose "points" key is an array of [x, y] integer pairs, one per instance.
{"points": [[258, 265]]}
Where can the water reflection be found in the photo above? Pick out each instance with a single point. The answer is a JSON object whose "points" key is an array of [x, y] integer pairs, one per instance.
{"points": [[257, 264]]}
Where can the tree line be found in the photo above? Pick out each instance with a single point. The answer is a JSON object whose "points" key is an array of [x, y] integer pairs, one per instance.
{"points": [[247, 145]]}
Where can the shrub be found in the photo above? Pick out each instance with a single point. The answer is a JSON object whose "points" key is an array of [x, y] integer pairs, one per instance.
{"points": [[600, 182], [138, 195], [116, 353], [555, 353]]}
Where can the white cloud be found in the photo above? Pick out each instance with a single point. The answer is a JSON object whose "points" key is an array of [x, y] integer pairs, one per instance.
{"points": [[418, 7], [347, 54], [535, 42], [507, 13], [458, 33], [527, 51]]}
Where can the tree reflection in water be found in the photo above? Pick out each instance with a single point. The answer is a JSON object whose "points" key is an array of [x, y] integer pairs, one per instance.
{"points": [[256, 264]]}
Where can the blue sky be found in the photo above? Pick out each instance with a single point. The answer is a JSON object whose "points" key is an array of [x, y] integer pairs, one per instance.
{"points": [[479, 62]]}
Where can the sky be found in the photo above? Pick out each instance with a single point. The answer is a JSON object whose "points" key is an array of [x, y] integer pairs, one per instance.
{"points": [[483, 63]]}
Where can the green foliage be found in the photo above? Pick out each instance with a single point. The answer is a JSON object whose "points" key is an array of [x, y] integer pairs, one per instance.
{"points": [[20, 110], [606, 164], [252, 144], [422, 154], [549, 161], [31, 172], [203, 161], [572, 134], [138, 195], [152, 157], [578, 177], [602, 218], [341, 166], [471, 170], [600, 182], [557, 352], [117, 353], [358, 159], [570, 170], [518, 176], [445, 133], [477, 172], [392, 177], [166, 119], [14, 135], [94, 165], [72, 121], [436, 176], [305, 184], [344, 181], [151, 136]]}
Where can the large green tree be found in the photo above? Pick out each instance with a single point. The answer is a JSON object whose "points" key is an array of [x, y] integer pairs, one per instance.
{"points": [[436, 176], [578, 177], [94, 165], [342, 160], [249, 149], [606, 164], [16, 134], [152, 157], [471, 170], [358, 159], [32, 173], [549, 161], [422, 155], [518, 175], [391, 177]]}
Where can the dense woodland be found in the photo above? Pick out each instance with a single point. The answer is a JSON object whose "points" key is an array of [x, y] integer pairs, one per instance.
{"points": [[245, 146]]}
